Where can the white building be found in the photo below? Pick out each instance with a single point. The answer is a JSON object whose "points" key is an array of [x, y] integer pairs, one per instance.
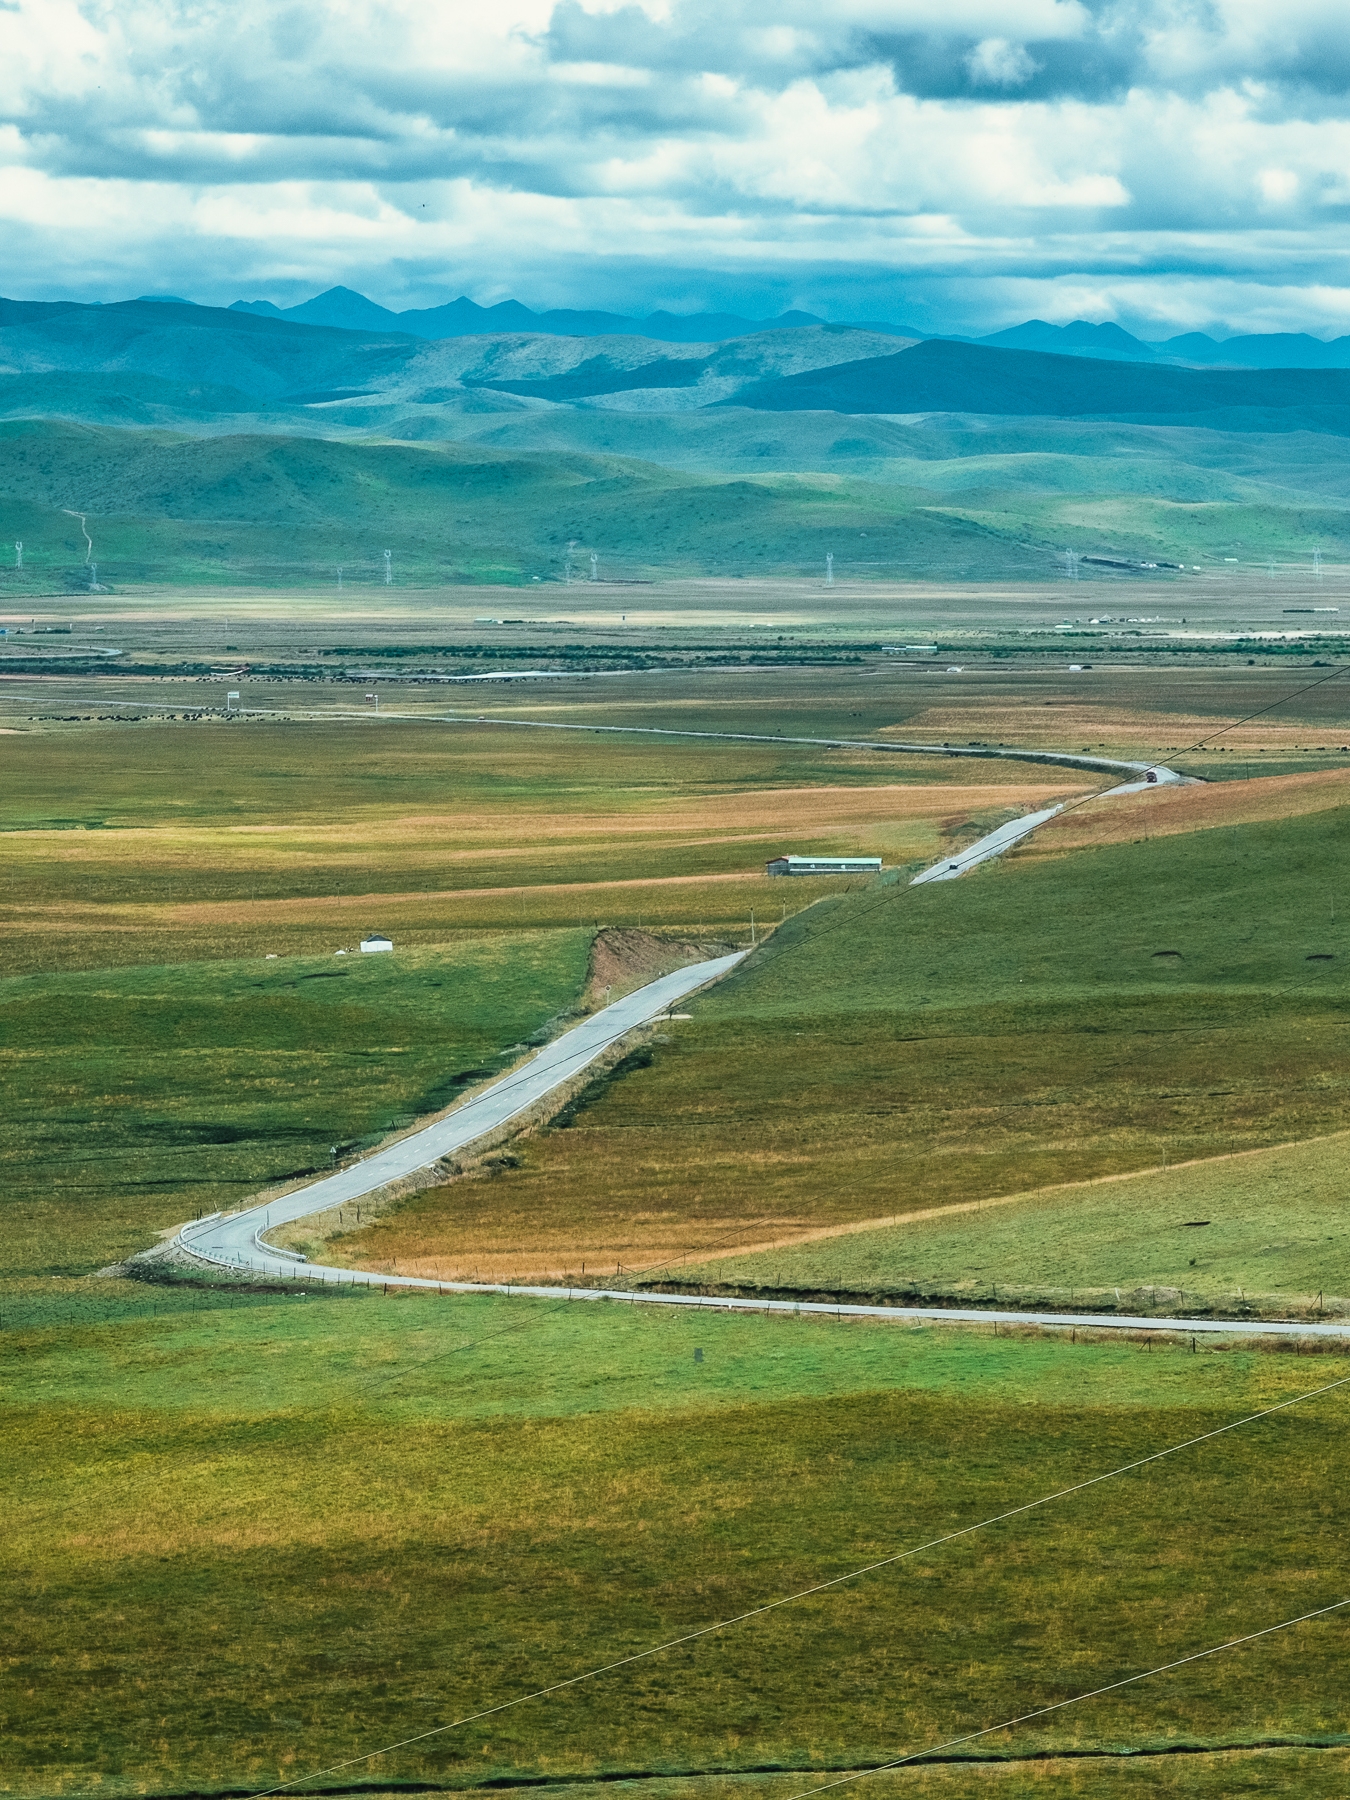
{"points": [[824, 865]]}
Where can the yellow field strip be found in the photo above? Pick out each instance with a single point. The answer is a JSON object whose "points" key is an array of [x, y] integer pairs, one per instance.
{"points": [[970, 1206]]}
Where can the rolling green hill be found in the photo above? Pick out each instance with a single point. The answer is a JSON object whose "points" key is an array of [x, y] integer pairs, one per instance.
{"points": [[274, 508], [973, 378], [206, 444]]}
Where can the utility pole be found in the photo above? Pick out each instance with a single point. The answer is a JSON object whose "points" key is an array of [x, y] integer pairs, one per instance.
{"points": [[388, 568], [829, 568]]}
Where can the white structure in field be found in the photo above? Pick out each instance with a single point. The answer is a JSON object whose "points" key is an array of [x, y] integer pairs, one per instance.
{"points": [[824, 865], [375, 943]]}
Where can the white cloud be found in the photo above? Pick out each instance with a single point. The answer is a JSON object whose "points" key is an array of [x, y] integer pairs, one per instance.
{"points": [[994, 62], [1138, 150]]}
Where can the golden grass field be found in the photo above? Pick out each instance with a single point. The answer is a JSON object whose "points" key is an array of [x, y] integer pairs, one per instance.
{"points": [[1046, 1021], [1171, 811], [428, 834]]}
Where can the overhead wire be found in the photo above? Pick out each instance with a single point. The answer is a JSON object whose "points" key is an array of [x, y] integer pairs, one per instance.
{"points": [[1041, 1712], [835, 1582], [783, 1600]]}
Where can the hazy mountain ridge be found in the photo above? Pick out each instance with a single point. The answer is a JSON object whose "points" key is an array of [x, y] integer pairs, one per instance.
{"points": [[1258, 350], [159, 362], [247, 447], [344, 308], [947, 377]]}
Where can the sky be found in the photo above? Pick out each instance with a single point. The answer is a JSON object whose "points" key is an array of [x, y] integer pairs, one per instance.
{"points": [[960, 165]]}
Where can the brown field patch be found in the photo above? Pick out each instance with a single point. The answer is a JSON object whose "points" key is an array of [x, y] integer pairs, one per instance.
{"points": [[1076, 725], [192, 892], [1171, 810], [475, 829]]}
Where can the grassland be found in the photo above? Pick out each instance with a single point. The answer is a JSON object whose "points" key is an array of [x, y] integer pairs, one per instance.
{"points": [[138, 1097], [247, 1543], [1263, 1231], [905, 1049], [186, 843], [249, 1534], [159, 1065], [704, 493], [272, 510]]}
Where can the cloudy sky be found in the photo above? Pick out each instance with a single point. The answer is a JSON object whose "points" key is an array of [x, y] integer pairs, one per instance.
{"points": [[964, 164]]}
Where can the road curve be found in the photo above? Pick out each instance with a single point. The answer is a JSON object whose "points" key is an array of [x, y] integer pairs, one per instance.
{"points": [[235, 1241], [996, 842], [232, 1240]]}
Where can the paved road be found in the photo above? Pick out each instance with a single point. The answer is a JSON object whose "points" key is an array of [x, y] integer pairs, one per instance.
{"points": [[232, 1239], [235, 1241], [1016, 829]]}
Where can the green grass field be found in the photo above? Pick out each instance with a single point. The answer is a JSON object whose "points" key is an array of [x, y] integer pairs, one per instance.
{"points": [[251, 1534], [902, 1049], [704, 493], [138, 1098], [250, 1542], [1266, 1230], [272, 511]]}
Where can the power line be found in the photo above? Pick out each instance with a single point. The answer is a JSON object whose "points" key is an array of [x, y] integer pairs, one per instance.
{"points": [[820, 1587], [1041, 1712]]}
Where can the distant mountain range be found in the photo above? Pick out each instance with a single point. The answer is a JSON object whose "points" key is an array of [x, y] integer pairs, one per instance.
{"points": [[163, 361], [217, 443], [946, 377], [351, 311], [347, 310], [342, 309], [1262, 350]]}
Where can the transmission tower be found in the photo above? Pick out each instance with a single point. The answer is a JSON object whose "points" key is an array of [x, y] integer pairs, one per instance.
{"points": [[1071, 564], [595, 566], [1317, 565], [18, 556], [388, 568], [339, 578], [829, 568]]}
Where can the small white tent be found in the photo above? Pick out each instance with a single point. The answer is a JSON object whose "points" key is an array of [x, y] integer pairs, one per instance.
{"points": [[376, 942]]}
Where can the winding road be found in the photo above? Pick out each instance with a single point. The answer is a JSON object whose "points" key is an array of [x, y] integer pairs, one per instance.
{"points": [[996, 842], [234, 1241]]}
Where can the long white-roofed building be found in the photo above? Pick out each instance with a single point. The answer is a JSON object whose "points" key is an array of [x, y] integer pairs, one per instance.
{"points": [[823, 865]]}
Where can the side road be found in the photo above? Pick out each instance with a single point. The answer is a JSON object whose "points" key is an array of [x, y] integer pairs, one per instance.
{"points": [[232, 1240]]}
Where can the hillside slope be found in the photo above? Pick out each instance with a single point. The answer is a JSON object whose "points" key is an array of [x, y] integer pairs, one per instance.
{"points": [[937, 376], [277, 509]]}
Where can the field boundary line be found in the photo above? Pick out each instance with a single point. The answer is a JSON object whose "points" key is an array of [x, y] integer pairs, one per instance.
{"points": [[819, 1233]]}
